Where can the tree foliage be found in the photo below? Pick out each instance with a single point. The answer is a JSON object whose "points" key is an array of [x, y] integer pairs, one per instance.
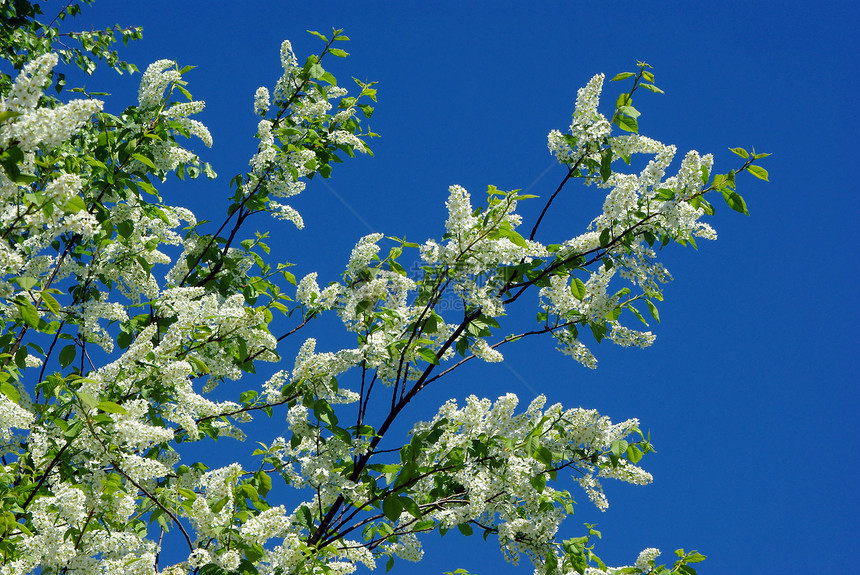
{"points": [[120, 315]]}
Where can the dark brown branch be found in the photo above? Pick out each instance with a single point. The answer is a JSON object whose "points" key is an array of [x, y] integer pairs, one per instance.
{"points": [[362, 461], [569, 175], [158, 504]]}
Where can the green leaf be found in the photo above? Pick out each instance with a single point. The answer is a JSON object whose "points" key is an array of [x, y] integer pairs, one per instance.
{"points": [[23, 179], [551, 563], [605, 237], [198, 364], [653, 309], [410, 507], [634, 454], [758, 172], [74, 205], [125, 228], [665, 194], [515, 238], [622, 76], [187, 493], [87, 399], [465, 529], [72, 431], [67, 355], [575, 545], [652, 88], [50, 302], [318, 35], [264, 482], [329, 77], [9, 391], [735, 201], [144, 160], [538, 482], [220, 504], [627, 123], [532, 444], [338, 52], [428, 355], [324, 412], [741, 152], [110, 407], [618, 447], [543, 455], [577, 288], [305, 517], [341, 433], [392, 507], [606, 164], [629, 111], [26, 283], [316, 71], [21, 357], [424, 525], [598, 330], [28, 313]]}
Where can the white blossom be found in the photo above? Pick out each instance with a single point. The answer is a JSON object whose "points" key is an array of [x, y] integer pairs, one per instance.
{"points": [[363, 252], [483, 350], [646, 558], [12, 416], [261, 101], [154, 81], [308, 291]]}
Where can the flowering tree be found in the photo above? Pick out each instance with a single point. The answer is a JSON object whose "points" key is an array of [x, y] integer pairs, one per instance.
{"points": [[121, 316]]}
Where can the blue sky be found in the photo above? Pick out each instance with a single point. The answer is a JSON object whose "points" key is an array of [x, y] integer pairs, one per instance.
{"points": [[750, 392]]}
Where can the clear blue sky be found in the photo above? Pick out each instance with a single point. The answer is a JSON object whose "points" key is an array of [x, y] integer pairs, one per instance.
{"points": [[750, 392]]}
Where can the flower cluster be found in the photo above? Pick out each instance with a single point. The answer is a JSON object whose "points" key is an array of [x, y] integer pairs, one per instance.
{"points": [[317, 370], [285, 155], [478, 244], [27, 128], [261, 101], [588, 129], [166, 154], [32, 126], [12, 416], [496, 458], [153, 83]]}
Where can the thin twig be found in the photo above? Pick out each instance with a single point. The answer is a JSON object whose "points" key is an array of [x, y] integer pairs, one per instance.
{"points": [[157, 503]]}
